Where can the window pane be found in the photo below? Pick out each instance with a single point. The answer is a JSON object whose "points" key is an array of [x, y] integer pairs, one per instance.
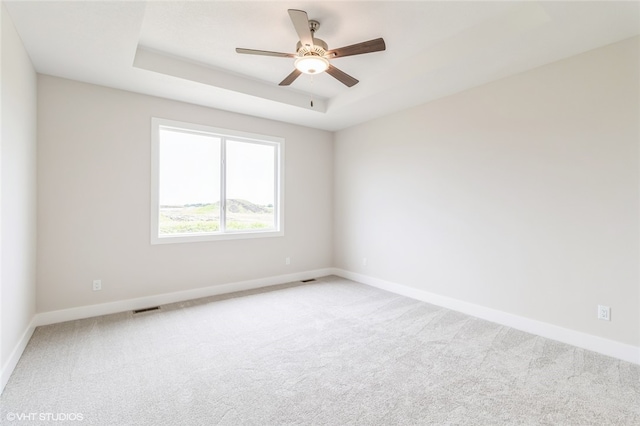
{"points": [[189, 183], [250, 186]]}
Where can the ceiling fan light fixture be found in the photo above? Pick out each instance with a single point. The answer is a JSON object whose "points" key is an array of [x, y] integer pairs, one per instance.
{"points": [[312, 64]]}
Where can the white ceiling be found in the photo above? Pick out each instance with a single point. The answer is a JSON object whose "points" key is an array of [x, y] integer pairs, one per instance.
{"points": [[185, 50]]}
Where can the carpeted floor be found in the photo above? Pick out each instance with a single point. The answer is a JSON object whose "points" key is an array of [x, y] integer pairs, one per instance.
{"points": [[330, 352]]}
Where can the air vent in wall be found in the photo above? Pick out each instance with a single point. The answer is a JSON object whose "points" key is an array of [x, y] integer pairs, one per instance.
{"points": [[141, 311]]}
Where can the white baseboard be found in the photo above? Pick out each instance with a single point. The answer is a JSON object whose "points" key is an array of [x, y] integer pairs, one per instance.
{"points": [[590, 342], [11, 363], [53, 317]]}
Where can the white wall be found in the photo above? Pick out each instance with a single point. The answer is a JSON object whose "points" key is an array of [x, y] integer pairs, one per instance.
{"points": [[520, 195], [94, 201], [17, 197]]}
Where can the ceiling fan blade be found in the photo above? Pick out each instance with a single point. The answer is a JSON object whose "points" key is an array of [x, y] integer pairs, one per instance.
{"points": [[370, 46], [264, 53], [341, 76], [290, 78], [301, 24]]}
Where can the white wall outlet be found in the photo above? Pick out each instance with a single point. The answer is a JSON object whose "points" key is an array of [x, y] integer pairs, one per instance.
{"points": [[287, 261], [97, 285], [364, 261], [604, 313]]}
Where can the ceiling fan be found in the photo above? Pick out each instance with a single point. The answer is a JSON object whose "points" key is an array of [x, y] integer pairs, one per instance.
{"points": [[313, 55]]}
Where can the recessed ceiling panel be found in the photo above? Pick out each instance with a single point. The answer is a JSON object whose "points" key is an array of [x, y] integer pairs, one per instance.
{"points": [[433, 49]]}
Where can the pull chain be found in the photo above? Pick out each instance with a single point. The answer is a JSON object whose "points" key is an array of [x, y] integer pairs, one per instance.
{"points": [[311, 90]]}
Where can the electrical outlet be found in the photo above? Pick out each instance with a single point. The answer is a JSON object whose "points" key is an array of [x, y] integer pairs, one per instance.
{"points": [[364, 261], [287, 261], [604, 313], [97, 285]]}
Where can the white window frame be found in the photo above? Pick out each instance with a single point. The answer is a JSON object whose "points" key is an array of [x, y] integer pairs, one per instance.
{"points": [[277, 142]]}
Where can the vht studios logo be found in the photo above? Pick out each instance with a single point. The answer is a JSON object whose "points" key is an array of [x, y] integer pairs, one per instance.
{"points": [[43, 417]]}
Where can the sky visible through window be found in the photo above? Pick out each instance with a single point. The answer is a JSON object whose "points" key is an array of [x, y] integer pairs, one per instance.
{"points": [[250, 171], [189, 171]]}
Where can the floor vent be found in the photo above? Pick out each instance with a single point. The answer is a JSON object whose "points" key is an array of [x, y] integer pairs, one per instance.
{"points": [[141, 311], [308, 281]]}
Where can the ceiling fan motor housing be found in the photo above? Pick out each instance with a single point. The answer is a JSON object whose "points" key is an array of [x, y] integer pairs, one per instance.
{"points": [[311, 59], [319, 48]]}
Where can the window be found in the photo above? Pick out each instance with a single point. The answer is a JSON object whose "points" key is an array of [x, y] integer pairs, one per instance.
{"points": [[212, 184]]}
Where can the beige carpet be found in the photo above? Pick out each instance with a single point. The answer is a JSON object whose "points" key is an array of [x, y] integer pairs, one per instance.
{"points": [[331, 352]]}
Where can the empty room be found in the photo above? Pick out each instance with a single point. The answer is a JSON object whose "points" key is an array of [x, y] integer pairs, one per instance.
{"points": [[335, 212]]}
